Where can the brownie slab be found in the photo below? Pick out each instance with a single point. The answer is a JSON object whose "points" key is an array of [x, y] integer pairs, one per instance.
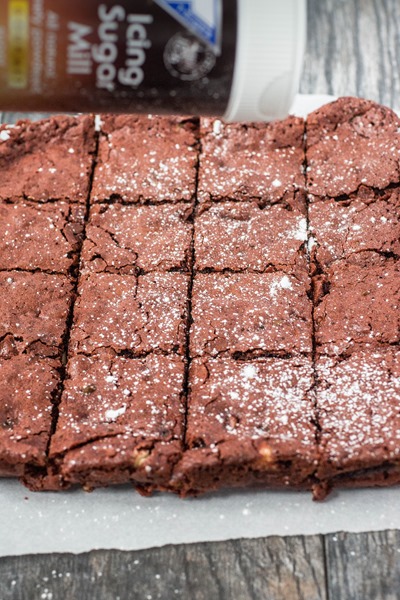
{"points": [[120, 420], [359, 304], [146, 159], [45, 237], [369, 221], [28, 387], [34, 313], [249, 423], [253, 313], [47, 160], [358, 403], [291, 377], [252, 161], [351, 142], [245, 237], [128, 313], [122, 239]]}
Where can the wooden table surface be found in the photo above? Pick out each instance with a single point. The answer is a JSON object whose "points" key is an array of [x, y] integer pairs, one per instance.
{"points": [[353, 49]]}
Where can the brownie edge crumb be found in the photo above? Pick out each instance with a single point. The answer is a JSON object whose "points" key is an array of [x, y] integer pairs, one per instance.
{"points": [[249, 423]]}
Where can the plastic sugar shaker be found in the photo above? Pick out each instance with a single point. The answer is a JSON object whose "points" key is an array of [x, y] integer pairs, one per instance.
{"points": [[240, 59]]}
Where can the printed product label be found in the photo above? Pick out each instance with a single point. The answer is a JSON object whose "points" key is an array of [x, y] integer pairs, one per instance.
{"points": [[201, 17], [132, 56]]}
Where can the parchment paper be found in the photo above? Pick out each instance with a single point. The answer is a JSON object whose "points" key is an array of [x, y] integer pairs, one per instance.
{"points": [[119, 518]]}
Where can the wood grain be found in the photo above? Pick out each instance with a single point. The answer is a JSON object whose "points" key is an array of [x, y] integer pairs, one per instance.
{"points": [[365, 565], [353, 48], [275, 568]]}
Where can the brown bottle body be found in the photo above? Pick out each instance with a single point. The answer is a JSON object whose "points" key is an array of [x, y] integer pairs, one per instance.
{"points": [[128, 56]]}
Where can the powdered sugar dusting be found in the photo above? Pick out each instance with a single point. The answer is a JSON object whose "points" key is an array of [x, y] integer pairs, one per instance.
{"points": [[113, 414], [95, 403], [28, 385], [249, 372], [242, 236], [4, 135], [98, 122], [359, 402], [302, 232], [121, 239], [145, 159], [286, 283], [265, 399], [283, 283], [244, 161], [249, 312], [124, 312]]}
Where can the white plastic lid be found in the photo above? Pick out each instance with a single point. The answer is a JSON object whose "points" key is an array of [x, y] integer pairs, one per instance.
{"points": [[269, 58]]}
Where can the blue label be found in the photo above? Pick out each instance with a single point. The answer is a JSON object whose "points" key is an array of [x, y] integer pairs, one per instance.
{"points": [[200, 17]]}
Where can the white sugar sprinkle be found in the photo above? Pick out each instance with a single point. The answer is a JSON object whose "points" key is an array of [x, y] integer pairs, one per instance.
{"points": [[4, 135], [217, 127], [286, 283], [97, 123], [112, 415], [301, 233], [249, 372]]}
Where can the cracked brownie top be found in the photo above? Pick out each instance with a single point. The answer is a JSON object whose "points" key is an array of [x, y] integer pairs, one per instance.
{"points": [[190, 305], [146, 159], [47, 160]]}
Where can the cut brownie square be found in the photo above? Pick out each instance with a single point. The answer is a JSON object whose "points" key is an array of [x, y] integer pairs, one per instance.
{"points": [[252, 161], [358, 401], [358, 303], [47, 160], [129, 314], [35, 309], [42, 237], [28, 386], [245, 237], [249, 423], [120, 420], [250, 313], [122, 239], [146, 159], [351, 142], [370, 221]]}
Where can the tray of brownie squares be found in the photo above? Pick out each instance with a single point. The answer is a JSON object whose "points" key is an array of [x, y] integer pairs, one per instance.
{"points": [[189, 305]]}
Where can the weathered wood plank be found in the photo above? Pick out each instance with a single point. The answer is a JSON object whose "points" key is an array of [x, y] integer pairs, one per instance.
{"points": [[363, 565], [273, 568], [353, 49]]}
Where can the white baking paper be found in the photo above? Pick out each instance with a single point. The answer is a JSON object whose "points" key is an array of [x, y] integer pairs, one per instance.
{"points": [[119, 518], [76, 521]]}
